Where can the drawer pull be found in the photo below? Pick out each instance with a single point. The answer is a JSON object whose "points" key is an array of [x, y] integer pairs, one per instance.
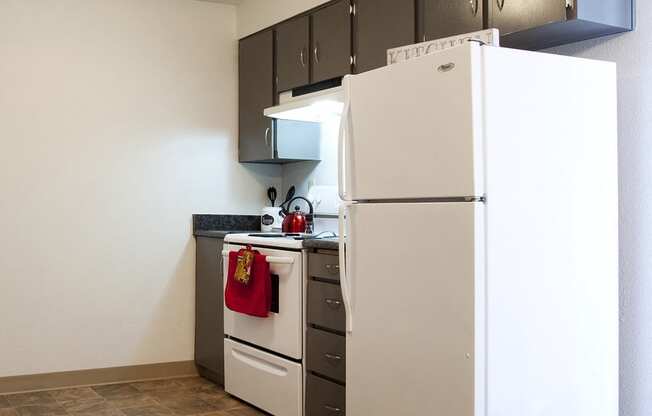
{"points": [[333, 268], [333, 303], [333, 357], [259, 363], [332, 409]]}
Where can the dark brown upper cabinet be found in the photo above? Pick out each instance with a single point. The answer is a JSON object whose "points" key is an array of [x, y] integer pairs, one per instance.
{"points": [[293, 53], [381, 25], [539, 24], [256, 89], [331, 41], [511, 16], [444, 18]]}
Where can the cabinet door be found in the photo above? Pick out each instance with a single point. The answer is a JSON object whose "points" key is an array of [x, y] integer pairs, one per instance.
{"points": [[381, 25], [331, 41], [292, 53], [515, 15], [443, 18], [209, 321], [256, 76]]}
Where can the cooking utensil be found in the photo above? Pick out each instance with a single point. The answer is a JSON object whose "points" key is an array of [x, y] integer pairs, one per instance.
{"points": [[321, 236], [286, 204], [298, 221], [271, 194]]}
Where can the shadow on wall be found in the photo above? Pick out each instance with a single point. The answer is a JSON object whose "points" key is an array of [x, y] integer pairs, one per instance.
{"points": [[633, 54], [167, 321]]}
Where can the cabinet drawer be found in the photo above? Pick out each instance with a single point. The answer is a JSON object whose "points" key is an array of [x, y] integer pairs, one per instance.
{"points": [[324, 266], [326, 354], [324, 398], [325, 306]]}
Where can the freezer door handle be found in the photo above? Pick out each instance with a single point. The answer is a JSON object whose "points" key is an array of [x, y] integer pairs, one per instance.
{"points": [[343, 140], [345, 252]]}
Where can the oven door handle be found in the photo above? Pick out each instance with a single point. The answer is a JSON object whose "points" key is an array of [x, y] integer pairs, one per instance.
{"points": [[271, 259], [280, 260]]}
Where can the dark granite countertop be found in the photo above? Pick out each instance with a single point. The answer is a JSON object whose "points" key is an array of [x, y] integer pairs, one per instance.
{"points": [[219, 233], [218, 226], [323, 244]]}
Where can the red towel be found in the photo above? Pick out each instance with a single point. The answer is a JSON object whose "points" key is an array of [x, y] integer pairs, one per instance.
{"points": [[254, 298]]}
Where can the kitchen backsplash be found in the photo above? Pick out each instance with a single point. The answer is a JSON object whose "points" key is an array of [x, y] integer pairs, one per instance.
{"points": [[317, 180]]}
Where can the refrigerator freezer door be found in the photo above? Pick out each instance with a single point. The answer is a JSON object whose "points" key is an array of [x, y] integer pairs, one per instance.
{"points": [[414, 130], [416, 345]]}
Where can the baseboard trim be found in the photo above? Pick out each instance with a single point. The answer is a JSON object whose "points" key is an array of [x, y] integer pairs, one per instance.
{"points": [[112, 375]]}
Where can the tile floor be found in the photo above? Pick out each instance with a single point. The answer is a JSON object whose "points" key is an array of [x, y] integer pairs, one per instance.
{"points": [[182, 396]]}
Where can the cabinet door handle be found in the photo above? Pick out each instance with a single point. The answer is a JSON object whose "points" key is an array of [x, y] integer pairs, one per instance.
{"points": [[500, 4], [267, 136], [474, 7], [334, 303], [333, 357], [332, 409], [316, 53], [302, 58]]}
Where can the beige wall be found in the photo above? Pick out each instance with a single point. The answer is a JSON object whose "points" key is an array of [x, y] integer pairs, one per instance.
{"points": [[118, 120], [254, 15]]}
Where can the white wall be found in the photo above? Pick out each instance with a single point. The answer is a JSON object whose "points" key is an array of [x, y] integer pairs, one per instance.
{"points": [[318, 180], [118, 121], [633, 53], [254, 15]]}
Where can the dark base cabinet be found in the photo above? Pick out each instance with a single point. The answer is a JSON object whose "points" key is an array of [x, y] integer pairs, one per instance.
{"points": [[324, 398], [209, 312], [325, 339]]}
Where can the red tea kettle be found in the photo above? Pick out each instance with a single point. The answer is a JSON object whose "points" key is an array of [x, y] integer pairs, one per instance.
{"points": [[297, 221]]}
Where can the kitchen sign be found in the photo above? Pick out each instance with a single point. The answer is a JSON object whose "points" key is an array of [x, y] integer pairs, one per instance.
{"points": [[404, 53]]}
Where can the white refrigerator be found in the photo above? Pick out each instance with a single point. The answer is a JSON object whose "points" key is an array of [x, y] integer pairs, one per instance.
{"points": [[479, 236]]}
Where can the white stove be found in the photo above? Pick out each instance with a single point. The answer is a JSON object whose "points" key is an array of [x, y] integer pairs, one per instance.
{"points": [[279, 240], [263, 357], [291, 241]]}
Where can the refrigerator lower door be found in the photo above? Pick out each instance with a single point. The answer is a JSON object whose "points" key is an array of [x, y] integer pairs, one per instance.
{"points": [[416, 293], [414, 130]]}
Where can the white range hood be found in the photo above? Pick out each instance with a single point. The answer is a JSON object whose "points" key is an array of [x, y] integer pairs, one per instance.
{"points": [[318, 106]]}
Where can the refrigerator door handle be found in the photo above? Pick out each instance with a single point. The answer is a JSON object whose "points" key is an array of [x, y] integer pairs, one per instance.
{"points": [[343, 140], [343, 257]]}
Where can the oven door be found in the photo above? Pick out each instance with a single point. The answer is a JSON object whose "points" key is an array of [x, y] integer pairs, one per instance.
{"points": [[281, 332]]}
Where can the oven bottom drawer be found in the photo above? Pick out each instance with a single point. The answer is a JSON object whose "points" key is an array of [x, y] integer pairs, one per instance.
{"points": [[266, 381]]}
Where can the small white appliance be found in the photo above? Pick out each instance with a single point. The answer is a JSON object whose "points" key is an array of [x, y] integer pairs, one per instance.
{"points": [[479, 235], [263, 356], [270, 219]]}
